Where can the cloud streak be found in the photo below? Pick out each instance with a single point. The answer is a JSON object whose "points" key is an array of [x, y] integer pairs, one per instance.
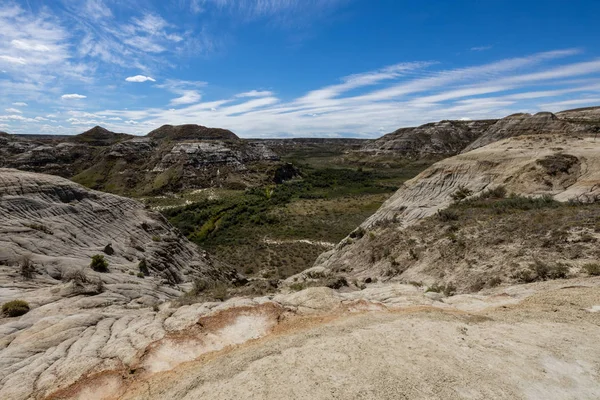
{"points": [[140, 79], [72, 96]]}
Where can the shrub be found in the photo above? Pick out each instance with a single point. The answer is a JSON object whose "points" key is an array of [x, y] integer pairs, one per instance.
{"points": [[99, 264], [156, 238], [496, 193], [357, 233], [140, 275], [540, 271], [461, 193], [15, 308], [219, 292], [592, 269], [27, 268], [558, 271], [99, 286], [143, 267], [447, 290], [200, 285], [447, 215], [495, 281], [78, 277]]}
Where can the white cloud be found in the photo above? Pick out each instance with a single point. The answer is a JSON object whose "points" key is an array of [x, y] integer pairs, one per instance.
{"points": [[13, 60], [13, 111], [187, 97], [140, 78], [481, 48], [20, 104], [255, 93], [72, 96]]}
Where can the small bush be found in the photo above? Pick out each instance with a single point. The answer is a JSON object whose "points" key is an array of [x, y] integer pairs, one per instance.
{"points": [[447, 290], [27, 268], [156, 238], [140, 275], [461, 194], [41, 228], [493, 282], [558, 271], [496, 193], [78, 277], [219, 292], [540, 271], [357, 233], [99, 263], [99, 286], [592, 269], [143, 267], [447, 215], [15, 308]]}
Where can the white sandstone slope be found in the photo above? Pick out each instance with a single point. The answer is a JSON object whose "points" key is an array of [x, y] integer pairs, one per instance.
{"points": [[60, 225], [566, 167], [81, 320]]}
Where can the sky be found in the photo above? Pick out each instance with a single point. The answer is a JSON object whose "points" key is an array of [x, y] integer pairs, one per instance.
{"points": [[291, 68]]}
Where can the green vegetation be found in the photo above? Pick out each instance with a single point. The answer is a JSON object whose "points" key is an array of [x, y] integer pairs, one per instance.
{"points": [[41, 228], [143, 267], [26, 267], [15, 308], [279, 230], [491, 239], [99, 263], [447, 290], [592, 269]]}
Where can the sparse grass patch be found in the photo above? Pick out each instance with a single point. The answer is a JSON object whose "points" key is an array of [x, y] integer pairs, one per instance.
{"points": [[41, 228]]}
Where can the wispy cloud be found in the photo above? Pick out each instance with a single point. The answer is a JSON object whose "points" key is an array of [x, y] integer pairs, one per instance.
{"points": [[481, 48], [13, 111], [187, 97], [255, 93], [139, 78], [19, 104], [72, 96]]}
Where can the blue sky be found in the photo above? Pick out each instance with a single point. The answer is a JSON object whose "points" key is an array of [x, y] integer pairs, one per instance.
{"points": [[278, 68]]}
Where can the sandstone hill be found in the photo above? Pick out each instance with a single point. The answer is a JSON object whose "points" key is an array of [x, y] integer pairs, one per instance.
{"points": [[469, 221], [59, 225], [438, 139], [151, 164], [99, 136], [191, 132], [447, 138]]}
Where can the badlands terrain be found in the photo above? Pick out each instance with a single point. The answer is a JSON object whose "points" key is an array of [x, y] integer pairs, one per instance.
{"points": [[456, 260]]}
